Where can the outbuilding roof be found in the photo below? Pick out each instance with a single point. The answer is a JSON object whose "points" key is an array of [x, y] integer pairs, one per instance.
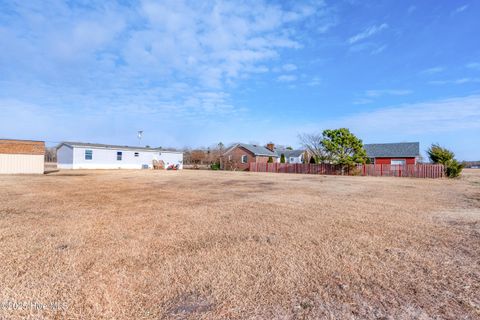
{"points": [[13, 146], [392, 150], [111, 146]]}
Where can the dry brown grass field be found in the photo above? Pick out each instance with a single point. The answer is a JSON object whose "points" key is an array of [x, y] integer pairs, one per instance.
{"points": [[233, 245]]}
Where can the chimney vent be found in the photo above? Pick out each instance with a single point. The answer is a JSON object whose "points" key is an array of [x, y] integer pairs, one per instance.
{"points": [[270, 146]]}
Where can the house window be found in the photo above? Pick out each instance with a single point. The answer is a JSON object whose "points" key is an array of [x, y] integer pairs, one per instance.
{"points": [[397, 162], [119, 155], [88, 154], [136, 154], [292, 159], [244, 158]]}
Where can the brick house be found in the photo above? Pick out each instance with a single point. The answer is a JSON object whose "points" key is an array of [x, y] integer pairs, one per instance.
{"points": [[240, 155], [393, 153]]}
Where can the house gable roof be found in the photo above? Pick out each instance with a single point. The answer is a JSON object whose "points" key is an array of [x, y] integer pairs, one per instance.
{"points": [[392, 150], [110, 146], [255, 149]]}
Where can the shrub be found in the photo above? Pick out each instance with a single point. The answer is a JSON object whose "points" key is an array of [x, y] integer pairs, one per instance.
{"points": [[270, 160], [438, 154], [453, 168], [282, 158], [215, 166]]}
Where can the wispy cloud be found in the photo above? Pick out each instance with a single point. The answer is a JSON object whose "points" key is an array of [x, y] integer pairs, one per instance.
{"points": [[390, 92], [367, 33], [379, 49], [460, 9], [369, 96], [455, 81], [288, 67], [287, 78], [473, 65], [140, 52], [362, 101], [433, 70], [454, 114], [316, 81]]}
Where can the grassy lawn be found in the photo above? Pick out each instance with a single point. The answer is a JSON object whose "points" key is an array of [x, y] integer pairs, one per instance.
{"points": [[234, 245]]}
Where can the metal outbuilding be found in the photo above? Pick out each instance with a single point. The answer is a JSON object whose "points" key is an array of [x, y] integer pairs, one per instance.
{"points": [[22, 156]]}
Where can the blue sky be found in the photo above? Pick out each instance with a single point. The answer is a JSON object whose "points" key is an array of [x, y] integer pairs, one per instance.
{"points": [[196, 73]]}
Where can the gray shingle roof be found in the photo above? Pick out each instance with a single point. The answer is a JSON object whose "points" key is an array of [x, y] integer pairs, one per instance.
{"points": [[257, 150], [110, 146], [389, 150], [289, 153]]}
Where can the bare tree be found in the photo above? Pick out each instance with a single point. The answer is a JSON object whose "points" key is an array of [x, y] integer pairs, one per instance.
{"points": [[50, 155], [197, 157], [313, 143]]}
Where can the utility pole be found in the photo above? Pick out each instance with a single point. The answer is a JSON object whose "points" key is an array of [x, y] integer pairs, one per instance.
{"points": [[140, 136]]}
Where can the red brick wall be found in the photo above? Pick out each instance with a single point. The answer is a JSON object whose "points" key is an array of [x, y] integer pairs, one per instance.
{"points": [[22, 147], [233, 159], [388, 160]]}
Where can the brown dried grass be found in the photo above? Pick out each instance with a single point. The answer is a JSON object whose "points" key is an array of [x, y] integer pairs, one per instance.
{"points": [[231, 245]]}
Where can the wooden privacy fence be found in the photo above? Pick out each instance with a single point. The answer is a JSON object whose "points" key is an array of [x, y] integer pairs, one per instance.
{"points": [[377, 170]]}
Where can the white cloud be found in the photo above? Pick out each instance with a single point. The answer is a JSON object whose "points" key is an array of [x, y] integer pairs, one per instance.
{"points": [[287, 78], [379, 49], [289, 67], [433, 70], [455, 81], [384, 92], [362, 101], [461, 9], [367, 33], [453, 114], [316, 81], [474, 65], [140, 52]]}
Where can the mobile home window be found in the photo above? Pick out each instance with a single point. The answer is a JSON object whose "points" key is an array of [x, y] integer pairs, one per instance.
{"points": [[119, 155], [88, 154], [244, 158], [136, 154]]}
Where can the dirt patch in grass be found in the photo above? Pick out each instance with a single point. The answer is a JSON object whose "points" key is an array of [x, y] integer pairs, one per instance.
{"points": [[234, 245]]}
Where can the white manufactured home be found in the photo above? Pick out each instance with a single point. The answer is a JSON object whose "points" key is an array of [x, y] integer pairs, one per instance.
{"points": [[78, 155]]}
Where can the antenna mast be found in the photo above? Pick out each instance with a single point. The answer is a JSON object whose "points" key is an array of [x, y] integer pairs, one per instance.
{"points": [[140, 136]]}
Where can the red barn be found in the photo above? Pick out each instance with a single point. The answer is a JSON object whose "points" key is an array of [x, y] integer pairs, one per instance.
{"points": [[393, 153]]}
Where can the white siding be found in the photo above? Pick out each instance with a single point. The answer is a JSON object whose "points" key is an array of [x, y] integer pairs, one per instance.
{"points": [[64, 157], [298, 159], [22, 163], [103, 158], [170, 158]]}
